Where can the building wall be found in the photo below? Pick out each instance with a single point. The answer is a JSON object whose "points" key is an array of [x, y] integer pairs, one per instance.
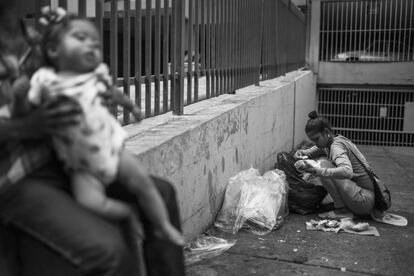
{"points": [[390, 73], [357, 73], [219, 137]]}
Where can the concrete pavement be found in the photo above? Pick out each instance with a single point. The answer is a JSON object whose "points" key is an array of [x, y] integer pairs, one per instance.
{"points": [[292, 250]]}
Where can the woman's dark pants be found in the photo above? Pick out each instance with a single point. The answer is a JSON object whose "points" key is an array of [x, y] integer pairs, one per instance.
{"points": [[41, 206]]}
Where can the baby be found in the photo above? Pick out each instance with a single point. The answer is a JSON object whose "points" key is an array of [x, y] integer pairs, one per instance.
{"points": [[92, 151]]}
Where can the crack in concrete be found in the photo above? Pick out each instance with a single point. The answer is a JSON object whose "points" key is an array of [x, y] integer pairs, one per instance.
{"points": [[307, 264]]}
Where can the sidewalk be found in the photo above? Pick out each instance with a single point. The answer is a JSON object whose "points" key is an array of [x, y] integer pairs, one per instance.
{"points": [[292, 250]]}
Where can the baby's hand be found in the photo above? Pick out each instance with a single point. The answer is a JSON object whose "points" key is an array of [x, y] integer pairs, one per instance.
{"points": [[114, 96]]}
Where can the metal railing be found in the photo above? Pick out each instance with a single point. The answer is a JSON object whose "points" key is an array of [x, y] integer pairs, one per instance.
{"points": [[367, 30], [166, 54], [370, 115]]}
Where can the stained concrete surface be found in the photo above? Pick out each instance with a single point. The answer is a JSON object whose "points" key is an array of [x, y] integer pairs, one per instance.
{"points": [[292, 250]]}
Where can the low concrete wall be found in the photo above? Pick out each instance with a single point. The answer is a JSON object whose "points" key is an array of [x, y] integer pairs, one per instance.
{"points": [[219, 137]]}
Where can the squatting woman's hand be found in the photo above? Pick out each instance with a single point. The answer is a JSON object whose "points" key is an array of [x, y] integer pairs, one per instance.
{"points": [[300, 154]]}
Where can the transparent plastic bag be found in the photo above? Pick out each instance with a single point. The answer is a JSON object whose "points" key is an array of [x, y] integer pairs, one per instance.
{"points": [[229, 210], [206, 247], [257, 203]]}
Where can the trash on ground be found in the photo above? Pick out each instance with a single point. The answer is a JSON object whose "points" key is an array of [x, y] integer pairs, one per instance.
{"points": [[346, 225], [388, 218], [206, 247], [256, 203]]}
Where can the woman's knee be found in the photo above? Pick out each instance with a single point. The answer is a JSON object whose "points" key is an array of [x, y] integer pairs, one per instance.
{"points": [[165, 188], [111, 256]]}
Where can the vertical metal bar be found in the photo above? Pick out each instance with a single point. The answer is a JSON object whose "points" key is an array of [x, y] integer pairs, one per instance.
{"points": [[208, 49], [196, 48], [239, 45], [213, 48], [386, 37], [223, 47], [322, 52], [217, 45], [226, 53], [355, 32], [113, 33], [380, 39], [399, 31], [360, 28], [351, 26], [138, 52], [390, 17], [190, 51], [231, 48], [157, 56], [394, 31], [203, 38], [173, 52], [346, 27], [178, 93], [262, 40], [331, 30], [336, 30], [165, 54], [370, 41], [126, 54], [341, 28], [99, 13], [244, 45], [404, 55], [410, 30], [148, 55], [64, 4], [374, 30], [82, 8], [409, 34]]}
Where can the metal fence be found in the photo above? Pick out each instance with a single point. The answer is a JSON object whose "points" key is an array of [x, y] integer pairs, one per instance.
{"points": [[370, 115], [166, 54], [367, 30]]}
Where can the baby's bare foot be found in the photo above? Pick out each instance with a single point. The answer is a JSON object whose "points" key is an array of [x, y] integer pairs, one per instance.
{"points": [[170, 233]]}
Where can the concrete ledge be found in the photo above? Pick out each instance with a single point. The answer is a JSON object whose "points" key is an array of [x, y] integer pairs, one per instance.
{"points": [[217, 138]]}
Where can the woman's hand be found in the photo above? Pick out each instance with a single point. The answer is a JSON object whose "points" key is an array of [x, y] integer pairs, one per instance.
{"points": [[308, 166], [300, 154], [49, 118]]}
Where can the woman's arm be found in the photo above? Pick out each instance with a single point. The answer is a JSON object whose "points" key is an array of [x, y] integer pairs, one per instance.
{"points": [[312, 152], [343, 168]]}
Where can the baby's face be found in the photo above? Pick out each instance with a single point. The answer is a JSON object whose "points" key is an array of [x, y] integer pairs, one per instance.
{"points": [[79, 49]]}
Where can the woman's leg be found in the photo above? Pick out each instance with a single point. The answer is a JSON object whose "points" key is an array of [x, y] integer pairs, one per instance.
{"points": [[162, 257], [346, 193], [41, 207]]}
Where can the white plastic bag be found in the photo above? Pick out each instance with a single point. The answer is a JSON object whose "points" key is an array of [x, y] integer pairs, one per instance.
{"points": [[206, 247], [257, 203]]}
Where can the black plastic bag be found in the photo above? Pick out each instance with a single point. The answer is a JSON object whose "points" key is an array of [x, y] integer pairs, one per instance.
{"points": [[303, 197]]}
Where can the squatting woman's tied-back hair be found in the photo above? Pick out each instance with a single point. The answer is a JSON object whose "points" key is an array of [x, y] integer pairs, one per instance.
{"points": [[316, 123]]}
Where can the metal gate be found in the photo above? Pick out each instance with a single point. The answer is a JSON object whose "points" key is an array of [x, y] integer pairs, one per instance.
{"points": [[370, 115]]}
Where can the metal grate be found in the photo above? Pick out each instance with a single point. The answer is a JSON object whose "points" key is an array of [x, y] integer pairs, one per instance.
{"points": [[166, 54], [370, 115], [367, 30]]}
